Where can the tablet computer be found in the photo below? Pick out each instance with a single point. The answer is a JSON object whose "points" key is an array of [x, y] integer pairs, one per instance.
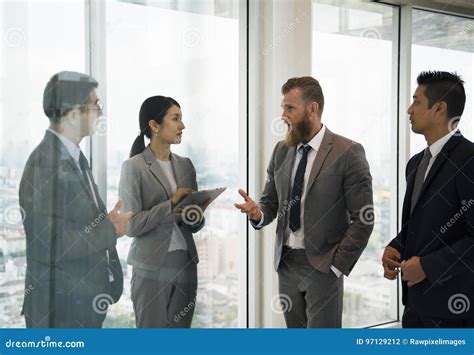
{"points": [[199, 197]]}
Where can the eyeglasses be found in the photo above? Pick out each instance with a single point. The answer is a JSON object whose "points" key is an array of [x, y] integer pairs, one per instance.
{"points": [[98, 106]]}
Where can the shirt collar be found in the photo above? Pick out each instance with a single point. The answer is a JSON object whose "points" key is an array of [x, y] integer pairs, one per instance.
{"points": [[436, 147], [315, 142], [71, 147]]}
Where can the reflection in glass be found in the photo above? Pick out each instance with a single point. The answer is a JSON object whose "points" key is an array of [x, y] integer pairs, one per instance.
{"points": [[352, 59], [446, 43], [32, 49], [190, 51]]}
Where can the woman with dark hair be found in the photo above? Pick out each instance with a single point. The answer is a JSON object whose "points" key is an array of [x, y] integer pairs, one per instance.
{"points": [[163, 254]]}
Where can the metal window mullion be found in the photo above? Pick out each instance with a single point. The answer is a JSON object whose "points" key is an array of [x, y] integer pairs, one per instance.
{"points": [[405, 43], [254, 35], [96, 57]]}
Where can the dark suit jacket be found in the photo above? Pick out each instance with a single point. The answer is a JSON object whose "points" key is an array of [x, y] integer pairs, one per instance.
{"points": [[146, 192], [70, 243], [339, 188], [441, 232]]}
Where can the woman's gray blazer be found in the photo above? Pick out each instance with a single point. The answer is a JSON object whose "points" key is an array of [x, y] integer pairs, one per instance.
{"points": [[146, 191]]}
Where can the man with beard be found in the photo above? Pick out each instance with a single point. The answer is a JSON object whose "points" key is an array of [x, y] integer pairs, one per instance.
{"points": [[319, 189]]}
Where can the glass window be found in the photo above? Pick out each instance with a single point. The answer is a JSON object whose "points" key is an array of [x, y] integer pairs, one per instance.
{"points": [[188, 51], [352, 59], [443, 42], [33, 48]]}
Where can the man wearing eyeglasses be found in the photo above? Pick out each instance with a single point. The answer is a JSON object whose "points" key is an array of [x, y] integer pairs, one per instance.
{"points": [[73, 270]]}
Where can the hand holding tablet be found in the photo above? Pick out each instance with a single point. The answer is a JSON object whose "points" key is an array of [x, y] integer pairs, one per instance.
{"points": [[199, 198]]}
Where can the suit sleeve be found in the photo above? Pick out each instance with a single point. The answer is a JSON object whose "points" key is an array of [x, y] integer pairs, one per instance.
{"points": [[50, 226], [397, 241], [130, 190], [358, 194], [268, 202], [459, 256]]}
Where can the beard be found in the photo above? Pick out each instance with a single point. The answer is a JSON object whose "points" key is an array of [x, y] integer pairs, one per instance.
{"points": [[299, 133]]}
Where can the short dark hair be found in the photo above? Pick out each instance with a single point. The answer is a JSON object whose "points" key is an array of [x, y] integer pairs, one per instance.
{"points": [[444, 86], [65, 90], [310, 89]]}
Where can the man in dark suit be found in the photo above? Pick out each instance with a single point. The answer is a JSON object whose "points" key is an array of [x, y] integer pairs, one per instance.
{"points": [[319, 189], [435, 247], [73, 268]]}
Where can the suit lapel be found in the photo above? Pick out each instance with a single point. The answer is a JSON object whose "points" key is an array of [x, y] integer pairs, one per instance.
{"points": [[66, 158], [287, 170], [410, 185], [82, 179], [100, 203], [324, 149], [439, 161], [156, 170], [179, 170]]}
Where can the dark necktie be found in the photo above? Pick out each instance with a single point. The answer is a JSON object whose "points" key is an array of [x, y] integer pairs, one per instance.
{"points": [[420, 178], [84, 164], [84, 169], [295, 203]]}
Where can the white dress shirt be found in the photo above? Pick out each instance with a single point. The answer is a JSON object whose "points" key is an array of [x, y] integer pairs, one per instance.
{"points": [[75, 151], [296, 239], [177, 239], [436, 148]]}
